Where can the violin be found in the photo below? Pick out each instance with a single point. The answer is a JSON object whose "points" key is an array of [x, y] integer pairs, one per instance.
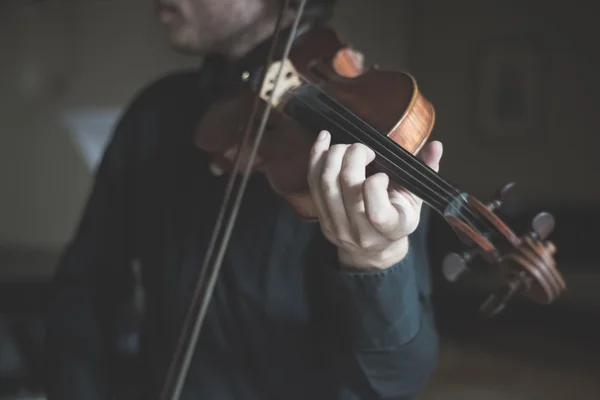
{"points": [[311, 82], [323, 86]]}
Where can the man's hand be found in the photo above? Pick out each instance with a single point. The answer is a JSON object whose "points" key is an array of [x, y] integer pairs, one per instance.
{"points": [[368, 219]]}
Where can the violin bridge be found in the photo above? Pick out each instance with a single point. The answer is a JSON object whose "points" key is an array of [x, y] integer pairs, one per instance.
{"points": [[289, 80]]}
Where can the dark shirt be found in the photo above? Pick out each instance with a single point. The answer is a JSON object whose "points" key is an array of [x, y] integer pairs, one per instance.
{"points": [[285, 322]]}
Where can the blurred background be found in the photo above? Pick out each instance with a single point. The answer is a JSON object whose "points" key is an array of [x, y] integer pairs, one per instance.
{"points": [[514, 84]]}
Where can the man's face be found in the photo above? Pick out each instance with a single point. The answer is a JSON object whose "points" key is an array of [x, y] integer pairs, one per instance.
{"points": [[197, 26]]}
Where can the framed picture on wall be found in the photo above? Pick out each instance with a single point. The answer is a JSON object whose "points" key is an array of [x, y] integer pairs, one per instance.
{"points": [[508, 90]]}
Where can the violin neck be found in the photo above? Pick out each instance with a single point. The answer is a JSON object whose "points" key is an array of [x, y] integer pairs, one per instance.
{"points": [[311, 107]]}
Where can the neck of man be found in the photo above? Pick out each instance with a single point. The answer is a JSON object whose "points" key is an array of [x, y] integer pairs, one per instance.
{"points": [[248, 38]]}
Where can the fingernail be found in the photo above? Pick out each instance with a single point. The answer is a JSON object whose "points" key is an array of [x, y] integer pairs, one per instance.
{"points": [[323, 135]]}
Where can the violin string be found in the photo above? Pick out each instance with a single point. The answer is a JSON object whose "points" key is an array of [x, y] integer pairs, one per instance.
{"points": [[441, 199], [216, 266], [377, 140], [218, 225], [378, 137], [358, 139]]}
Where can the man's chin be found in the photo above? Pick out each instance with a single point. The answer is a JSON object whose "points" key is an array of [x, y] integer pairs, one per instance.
{"points": [[182, 46], [186, 49]]}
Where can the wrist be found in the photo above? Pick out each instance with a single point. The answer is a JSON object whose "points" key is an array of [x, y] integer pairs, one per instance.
{"points": [[382, 259]]}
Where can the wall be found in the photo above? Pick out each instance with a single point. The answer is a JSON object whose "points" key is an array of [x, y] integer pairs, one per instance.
{"points": [[378, 28], [65, 55], [559, 163], [60, 56]]}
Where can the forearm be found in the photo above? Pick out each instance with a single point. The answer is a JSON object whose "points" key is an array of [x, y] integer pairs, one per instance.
{"points": [[382, 327], [376, 308]]}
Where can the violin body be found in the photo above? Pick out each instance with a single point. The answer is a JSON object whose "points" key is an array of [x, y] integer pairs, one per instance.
{"points": [[387, 100]]}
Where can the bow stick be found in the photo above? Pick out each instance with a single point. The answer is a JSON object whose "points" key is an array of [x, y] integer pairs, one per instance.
{"points": [[194, 320]]}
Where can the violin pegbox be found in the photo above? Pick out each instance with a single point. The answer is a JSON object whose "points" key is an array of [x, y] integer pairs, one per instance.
{"points": [[526, 264], [456, 265]]}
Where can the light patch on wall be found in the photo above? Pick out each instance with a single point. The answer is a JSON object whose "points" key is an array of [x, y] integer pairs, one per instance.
{"points": [[91, 129]]}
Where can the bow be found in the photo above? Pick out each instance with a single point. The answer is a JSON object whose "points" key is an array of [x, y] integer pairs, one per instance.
{"points": [[209, 272]]}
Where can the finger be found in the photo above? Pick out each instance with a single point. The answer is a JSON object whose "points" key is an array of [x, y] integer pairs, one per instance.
{"points": [[331, 192], [381, 213], [315, 168], [352, 178]]}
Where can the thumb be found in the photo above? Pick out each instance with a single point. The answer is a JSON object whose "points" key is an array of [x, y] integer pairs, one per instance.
{"points": [[431, 154]]}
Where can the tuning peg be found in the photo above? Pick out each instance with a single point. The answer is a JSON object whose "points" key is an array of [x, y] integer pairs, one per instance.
{"points": [[503, 198], [543, 225], [496, 302], [456, 265]]}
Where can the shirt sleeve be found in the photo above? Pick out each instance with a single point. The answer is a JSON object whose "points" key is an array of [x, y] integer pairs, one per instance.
{"points": [[92, 277], [381, 325]]}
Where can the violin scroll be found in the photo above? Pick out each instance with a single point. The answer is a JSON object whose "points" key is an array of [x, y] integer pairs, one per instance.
{"points": [[529, 269], [526, 264]]}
